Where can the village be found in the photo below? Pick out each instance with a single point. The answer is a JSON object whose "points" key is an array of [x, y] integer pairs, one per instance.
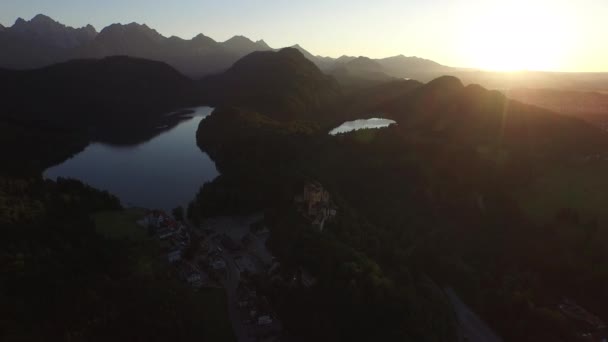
{"points": [[226, 252]]}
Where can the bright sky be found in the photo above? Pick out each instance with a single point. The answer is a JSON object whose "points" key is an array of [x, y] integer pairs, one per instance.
{"points": [[559, 35]]}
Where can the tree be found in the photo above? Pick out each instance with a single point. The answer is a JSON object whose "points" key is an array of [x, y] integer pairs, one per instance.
{"points": [[178, 213]]}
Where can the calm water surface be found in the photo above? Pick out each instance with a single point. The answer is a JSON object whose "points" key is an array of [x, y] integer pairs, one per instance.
{"points": [[162, 173], [361, 124]]}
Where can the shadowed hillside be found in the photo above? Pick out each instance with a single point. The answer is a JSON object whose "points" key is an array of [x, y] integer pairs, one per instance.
{"points": [[444, 109], [283, 85], [115, 89], [359, 72]]}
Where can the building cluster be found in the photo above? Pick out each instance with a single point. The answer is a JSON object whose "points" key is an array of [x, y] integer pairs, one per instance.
{"points": [[256, 312], [594, 327], [192, 275], [222, 253], [596, 157], [293, 278], [316, 205], [174, 235]]}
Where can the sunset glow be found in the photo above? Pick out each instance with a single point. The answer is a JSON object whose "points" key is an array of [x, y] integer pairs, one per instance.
{"points": [[518, 35]]}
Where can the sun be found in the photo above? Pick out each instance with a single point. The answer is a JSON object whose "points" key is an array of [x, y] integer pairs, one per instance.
{"points": [[517, 35]]}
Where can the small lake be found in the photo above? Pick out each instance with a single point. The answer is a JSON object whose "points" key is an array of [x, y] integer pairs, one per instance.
{"points": [[350, 126], [162, 173]]}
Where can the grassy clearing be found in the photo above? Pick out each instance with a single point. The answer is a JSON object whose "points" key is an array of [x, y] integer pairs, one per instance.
{"points": [[145, 258], [215, 315], [579, 186], [121, 224]]}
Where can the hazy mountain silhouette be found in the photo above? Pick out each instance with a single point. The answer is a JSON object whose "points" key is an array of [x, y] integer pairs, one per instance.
{"points": [[40, 42], [446, 110], [363, 71], [324, 63], [133, 39], [361, 63], [240, 44], [343, 59], [43, 41], [283, 85], [195, 57], [359, 72], [402, 66], [562, 101], [46, 30]]}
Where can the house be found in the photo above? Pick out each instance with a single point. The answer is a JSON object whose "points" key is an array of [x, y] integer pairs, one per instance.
{"points": [[174, 256], [218, 264], [576, 312], [307, 279], [264, 320], [195, 280], [316, 205], [165, 233], [229, 244], [315, 196]]}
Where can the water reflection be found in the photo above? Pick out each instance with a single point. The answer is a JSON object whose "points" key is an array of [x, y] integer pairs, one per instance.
{"points": [[163, 172], [362, 124]]}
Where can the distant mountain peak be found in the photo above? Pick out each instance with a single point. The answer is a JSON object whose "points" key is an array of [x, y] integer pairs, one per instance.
{"points": [[444, 84], [201, 36], [41, 18], [344, 59], [118, 26], [201, 39], [19, 21], [292, 52], [263, 44], [245, 45], [305, 52], [239, 38], [363, 58], [131, 28], [37, 23], [43, 30]]}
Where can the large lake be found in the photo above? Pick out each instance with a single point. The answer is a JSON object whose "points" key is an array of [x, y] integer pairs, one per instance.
{"points": [[162, 173]]}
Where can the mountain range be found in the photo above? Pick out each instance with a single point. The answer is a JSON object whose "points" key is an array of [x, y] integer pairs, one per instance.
{"points": [[43, 41]]}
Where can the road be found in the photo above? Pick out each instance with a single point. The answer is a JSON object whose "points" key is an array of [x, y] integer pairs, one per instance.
{"points": [[237, 228], [230, 284], [472, 328]]}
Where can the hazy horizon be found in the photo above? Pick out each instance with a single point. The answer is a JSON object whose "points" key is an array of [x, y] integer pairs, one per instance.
{"points": [[493, 35]]}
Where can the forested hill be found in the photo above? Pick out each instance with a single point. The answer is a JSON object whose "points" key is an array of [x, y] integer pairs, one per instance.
{"points": [[283, 85], [89, 91], [446, 110]]}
